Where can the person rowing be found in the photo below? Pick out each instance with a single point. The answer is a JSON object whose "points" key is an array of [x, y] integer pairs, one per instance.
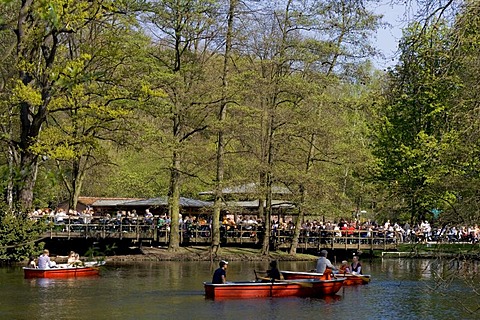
{"points": [[323, 264], [273, 273]]}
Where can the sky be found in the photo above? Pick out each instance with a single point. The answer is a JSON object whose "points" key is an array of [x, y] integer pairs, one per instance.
{"points": [[386, 38]]}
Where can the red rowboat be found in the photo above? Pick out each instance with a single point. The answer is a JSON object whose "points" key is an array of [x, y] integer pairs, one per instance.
{"points": [[62, 271], [350, 279], [279, 288]]}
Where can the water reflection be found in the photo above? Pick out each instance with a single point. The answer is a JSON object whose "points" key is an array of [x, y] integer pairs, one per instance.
{"points": [[330, 299], [403, 289]]}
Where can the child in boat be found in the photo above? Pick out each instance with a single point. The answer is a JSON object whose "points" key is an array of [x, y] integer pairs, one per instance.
{"points": [[344, 268]]}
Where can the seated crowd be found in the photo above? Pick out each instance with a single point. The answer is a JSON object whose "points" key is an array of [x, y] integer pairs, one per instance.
{"points": [[249, 226]]}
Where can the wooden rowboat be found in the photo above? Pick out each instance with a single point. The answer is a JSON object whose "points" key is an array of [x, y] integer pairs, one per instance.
{"points": [[350, 279], [278, 288], [63, 271]]}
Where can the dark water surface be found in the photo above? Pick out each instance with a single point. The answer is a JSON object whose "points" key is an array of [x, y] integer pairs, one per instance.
{"points": [[400, 289]]}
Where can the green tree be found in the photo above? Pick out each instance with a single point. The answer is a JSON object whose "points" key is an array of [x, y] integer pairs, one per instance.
{"points": [[414, 122], [42, 32], [292, 71], [184, 31], [98, 110], [19, 235], [222, 115]]}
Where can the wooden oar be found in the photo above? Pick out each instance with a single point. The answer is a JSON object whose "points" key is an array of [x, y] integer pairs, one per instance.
{"points": [[365, 279], [347, 275], [305, 284]]}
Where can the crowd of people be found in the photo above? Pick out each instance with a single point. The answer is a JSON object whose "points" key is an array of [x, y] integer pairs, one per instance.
{"points": [[392, 232], [249, 226]]}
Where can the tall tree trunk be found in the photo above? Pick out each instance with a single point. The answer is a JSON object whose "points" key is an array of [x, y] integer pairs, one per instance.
{"points": [[11, 177], [298, 222], [268, 217], [32, 117], [77, 183], [303, 196], [217, 205], [29, 169], [174, 203], [268, 193]]}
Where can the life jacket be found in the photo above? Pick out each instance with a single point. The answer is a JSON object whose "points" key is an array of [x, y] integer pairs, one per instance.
{"points": [[327, 274]]}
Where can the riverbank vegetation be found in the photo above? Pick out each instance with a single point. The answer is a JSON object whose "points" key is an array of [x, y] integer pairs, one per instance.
{"points": [[145, 98], [198, 253]]}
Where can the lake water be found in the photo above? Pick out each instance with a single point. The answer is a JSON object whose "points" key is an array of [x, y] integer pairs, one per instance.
{"points": [[400, 289]]}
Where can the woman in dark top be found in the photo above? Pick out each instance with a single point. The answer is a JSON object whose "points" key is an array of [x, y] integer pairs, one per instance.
{"points": [[274, 273], [356, 266]]}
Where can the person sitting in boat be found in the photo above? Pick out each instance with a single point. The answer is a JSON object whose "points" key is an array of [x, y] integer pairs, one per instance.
{"points": [[220, 275], [74, 259], [44, 260], [344, 268], [273, 273], [356, 266], [77, 259], [71, 257], [324, 265], [31, 262]]}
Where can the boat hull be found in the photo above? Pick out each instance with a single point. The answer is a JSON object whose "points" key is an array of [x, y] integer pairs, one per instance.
{"points": [[285, 288], [350, 279], [67, 272]]}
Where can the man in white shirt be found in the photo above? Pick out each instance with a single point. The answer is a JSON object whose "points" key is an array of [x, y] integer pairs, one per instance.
{"points": [[44, 260], [323, 263]]}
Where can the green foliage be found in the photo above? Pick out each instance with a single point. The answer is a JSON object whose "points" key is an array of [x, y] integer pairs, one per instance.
{"points": [[129, 109], [426, 140], [95, 252], [18, 236]]}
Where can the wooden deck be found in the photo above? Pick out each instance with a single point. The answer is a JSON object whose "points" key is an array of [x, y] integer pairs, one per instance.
{"points": [[358, 240]]}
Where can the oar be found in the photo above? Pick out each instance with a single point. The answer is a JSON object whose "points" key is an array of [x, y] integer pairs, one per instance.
{"points": [[365, 279], [257, 277], [305, 284]]}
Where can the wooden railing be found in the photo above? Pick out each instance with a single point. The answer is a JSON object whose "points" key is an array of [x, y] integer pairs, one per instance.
{"points": [[142, 230]]}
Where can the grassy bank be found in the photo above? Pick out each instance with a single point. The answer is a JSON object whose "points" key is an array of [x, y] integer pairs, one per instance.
{"points": [[203, 254]]}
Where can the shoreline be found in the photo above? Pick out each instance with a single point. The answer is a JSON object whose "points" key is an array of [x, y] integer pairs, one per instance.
{"points": [[250, 254], [203, 254]]}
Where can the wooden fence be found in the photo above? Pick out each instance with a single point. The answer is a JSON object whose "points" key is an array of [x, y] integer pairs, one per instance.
{"points": [[242, 236]]}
